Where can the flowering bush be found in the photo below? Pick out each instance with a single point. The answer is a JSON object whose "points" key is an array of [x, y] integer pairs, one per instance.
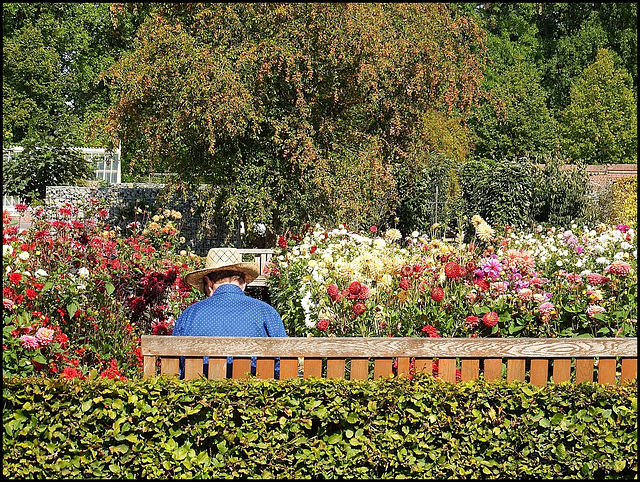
{"points": [[78, 293], [544, 283]]}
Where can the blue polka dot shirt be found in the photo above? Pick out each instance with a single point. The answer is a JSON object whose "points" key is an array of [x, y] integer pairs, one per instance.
{"points": [[230, 312]]}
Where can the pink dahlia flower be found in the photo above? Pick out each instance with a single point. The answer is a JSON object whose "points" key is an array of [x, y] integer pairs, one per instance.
{"points": [[595, 309], [45, 336], [596, 279], [525, 294], [618, 267], [29, 342]]}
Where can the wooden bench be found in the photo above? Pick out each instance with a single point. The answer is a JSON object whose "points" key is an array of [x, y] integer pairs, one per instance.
{"points": [[261, 257], [535, 360]]}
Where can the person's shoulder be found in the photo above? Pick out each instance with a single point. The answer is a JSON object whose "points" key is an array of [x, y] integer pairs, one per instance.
{"points": [[258, 302]]}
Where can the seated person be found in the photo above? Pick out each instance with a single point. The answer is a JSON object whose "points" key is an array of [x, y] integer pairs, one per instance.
{"points": [[227, 310]]}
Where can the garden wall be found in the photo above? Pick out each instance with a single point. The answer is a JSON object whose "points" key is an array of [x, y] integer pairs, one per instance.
{"points": [[123, 198]]}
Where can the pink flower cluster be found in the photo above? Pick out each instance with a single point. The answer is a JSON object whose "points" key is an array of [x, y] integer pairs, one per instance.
{"points": [[44, 336]]}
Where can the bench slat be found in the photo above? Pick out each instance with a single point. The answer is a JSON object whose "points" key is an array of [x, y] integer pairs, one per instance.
{"points": [[470, 368], [493, 369], [515, 369], [170, 366], [217, 368], [424, 365], [539, 371], [584, 370], [193, 368], [265, 368], [241, 368], [629, 369], [359, 369], [312, 367], [389, 347], [447, 369], [403, 365], [382, 367], [607, 371], [149, 369], [561, 370], [335, 367], [288, 368]]}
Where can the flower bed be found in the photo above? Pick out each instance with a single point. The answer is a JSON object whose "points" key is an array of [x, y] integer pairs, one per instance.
{"points": [[544, 283], [78, 293]]}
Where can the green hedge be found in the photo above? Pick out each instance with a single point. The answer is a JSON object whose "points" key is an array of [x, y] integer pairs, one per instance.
{"points": [[316, 428]]}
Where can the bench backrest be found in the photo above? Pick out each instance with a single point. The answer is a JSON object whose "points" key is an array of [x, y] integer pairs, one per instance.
{"points": [[259, 256], [535, 360]]}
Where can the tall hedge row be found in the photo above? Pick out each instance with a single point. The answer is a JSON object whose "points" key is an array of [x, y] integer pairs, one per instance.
{"points": [[388, 428]]}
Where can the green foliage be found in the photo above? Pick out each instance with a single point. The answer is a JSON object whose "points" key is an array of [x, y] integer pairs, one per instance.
{"points": [[600, 124], [572, 35], [305, 108], [50, 161], [618, 202], [518, 121], [562, 192], [52, 55], [500, 191], [297, 429], [525, 191], [438, 182]]}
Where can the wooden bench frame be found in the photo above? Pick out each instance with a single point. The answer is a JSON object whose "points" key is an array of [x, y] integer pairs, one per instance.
{"points": [[261, 257], [535, 360]]}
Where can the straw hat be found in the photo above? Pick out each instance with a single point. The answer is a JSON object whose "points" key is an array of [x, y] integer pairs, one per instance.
{"points": [[223, 259]]}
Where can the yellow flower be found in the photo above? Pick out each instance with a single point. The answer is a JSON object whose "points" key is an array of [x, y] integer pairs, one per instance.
{"points": [[385, 281], [393, 234], [484, 232], [402, 296], [476, 220]]}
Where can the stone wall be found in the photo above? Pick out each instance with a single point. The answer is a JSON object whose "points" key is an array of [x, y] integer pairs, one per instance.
{"points": [[123, 199]]}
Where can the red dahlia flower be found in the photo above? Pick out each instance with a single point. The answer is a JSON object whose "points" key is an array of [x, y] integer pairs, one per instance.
{"points": [[404, 283], [354, 288], [452, 270], [364, 293], [431, 331], [332, 290], [618, 267], [490, 319], [471, 321], [323, 324], [406, 270], [437, 293], [359, 308], [483, 285]]}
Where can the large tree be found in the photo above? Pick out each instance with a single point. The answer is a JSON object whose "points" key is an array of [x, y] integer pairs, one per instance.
{"points": [[52, 56], [298, 112], [600, 124]]}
